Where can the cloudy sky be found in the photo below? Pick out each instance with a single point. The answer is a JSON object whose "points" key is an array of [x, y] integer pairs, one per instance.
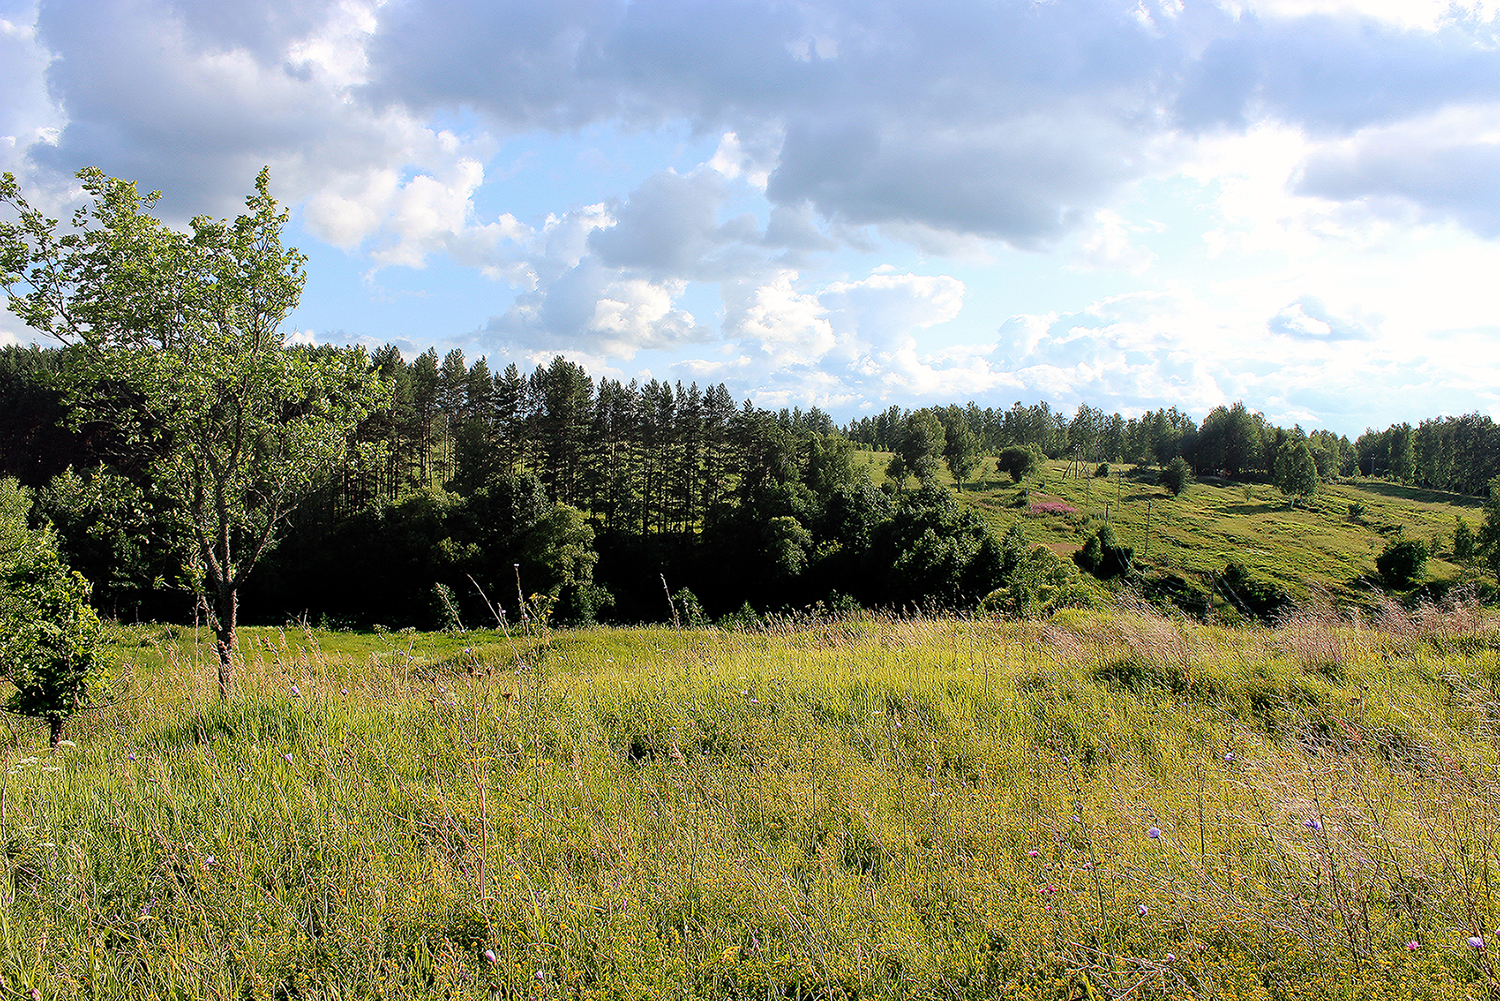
{"points": [[841, 203]]}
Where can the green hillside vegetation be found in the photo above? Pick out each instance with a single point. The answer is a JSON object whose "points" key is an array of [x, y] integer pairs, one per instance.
{"points": [[1316, 546], [1106, 805]]}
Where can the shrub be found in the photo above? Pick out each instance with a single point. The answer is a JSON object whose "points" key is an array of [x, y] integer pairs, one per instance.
{"points": [[1176, 476], [1103, 556], [1250, 596], [1018, 462], [1038, 583], [49, 636], [1102, 470], [1402, 562]]}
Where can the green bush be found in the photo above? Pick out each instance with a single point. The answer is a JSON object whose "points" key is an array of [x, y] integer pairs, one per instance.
{"points": [[1103, 555], [49, 636], [1402, 562], [1176, 476]]}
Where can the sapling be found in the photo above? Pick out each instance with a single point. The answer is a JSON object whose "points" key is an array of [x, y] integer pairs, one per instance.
{"points": [[49, 636]]}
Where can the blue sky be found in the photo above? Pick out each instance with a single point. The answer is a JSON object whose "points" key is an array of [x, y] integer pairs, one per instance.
{"points": [[1129, 203]]}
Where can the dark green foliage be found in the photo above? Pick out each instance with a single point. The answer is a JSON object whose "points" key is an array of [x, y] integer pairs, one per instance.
{"points": [[961, 447], [1402, 562], [1176, 476], [1036, 582], [830, 464], [921, 446], [1017, 462], [1251, 596], [1103, 555], [1102, 471]]}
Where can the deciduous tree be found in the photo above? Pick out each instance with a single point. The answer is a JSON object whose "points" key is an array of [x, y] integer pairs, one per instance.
{"points": [[175, 340]]}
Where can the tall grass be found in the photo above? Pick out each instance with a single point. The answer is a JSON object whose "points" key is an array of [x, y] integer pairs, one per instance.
{"points": [[1105, 805]]}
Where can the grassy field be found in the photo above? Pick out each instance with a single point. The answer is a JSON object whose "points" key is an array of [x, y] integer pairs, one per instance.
{"points": [[1106, 805], [1316, 546]]}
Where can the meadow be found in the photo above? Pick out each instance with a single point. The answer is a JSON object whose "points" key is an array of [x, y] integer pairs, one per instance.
{"points": [[1104, 805], [1324, 546]]}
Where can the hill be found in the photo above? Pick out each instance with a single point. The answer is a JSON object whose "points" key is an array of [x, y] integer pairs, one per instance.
{"points": [[1318, 545]]}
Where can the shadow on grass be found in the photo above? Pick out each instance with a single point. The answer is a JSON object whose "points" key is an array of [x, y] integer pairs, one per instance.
{"points": [[1416, 494]]}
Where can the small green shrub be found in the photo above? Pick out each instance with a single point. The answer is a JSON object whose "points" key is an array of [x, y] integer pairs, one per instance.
{"points": [[49, 636], [1402, 562]]}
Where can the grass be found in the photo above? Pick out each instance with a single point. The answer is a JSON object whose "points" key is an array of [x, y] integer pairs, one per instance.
{"points": [[1314, 547], [871, 808]]}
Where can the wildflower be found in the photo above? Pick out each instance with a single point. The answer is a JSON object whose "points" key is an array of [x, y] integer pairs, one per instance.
{"points": [[1476, 941], [1411, 946], [489, 956], [343, 691], [130, 756], [296, 692], [288, 757], [1313, 824], [1050, 889], [66, 743], [1228, 757], [1032, 853], [1153, 832], [1171, 958], [1142, 910], [208, 860]]}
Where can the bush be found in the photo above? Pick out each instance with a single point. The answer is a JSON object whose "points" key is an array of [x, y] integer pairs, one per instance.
{"points": [[1018, 462], [1402, 562], [1103, 556], [49, 636], [1038, 583], [1102, 471], [1176, 476], [1251, 597]]}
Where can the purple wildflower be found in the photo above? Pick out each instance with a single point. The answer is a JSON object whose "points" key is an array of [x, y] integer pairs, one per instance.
{"points": [[489, 956], [1153, 832], [1142, 910], [1476, 941], [1313, 824]]}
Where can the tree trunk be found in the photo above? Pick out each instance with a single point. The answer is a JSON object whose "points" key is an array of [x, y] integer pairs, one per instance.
{"points": [[226, 607], [55, 725]]}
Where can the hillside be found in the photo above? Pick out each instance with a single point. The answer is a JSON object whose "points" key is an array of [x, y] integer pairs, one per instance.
{"points": [[1315, 546]]}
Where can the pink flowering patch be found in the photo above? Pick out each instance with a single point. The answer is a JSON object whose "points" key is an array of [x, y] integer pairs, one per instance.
{"points": [[1052, 507]]}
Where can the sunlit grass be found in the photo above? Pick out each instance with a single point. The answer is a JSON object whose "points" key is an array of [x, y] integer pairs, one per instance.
{"points": [[863, 808], [1314, 546]]}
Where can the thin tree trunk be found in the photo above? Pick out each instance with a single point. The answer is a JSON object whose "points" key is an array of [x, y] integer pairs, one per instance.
{"points": [[226, 608], [55, 725]]}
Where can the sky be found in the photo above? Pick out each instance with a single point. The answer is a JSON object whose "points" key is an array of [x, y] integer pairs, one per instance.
{"points": [[848, 204]]}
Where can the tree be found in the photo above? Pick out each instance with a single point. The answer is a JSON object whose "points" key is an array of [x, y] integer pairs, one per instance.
{"points": [[49, 636], [1402, 562], [1018, 462], [921, 444], [1176, 476], [1103, 555], [175, 342], [1296, 471], [1463, 541], [960, 451]]}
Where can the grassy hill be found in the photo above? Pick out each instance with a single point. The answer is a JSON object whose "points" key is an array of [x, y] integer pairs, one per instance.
{"points": [[1107, 805], [1315, 546]]}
